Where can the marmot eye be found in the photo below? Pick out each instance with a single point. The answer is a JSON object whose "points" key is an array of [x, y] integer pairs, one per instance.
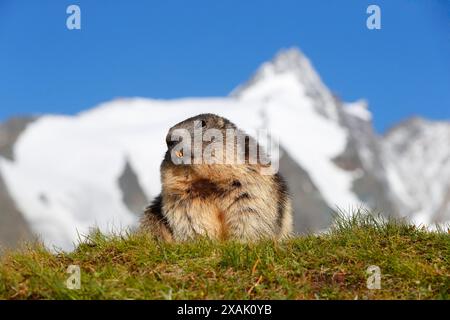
{"points": [[171, 143], [203, 123]]}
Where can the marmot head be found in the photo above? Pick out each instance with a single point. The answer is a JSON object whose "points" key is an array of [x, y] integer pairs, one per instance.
{"points": [[208, 142], [197, 136], [191, 138], [205, 121]]}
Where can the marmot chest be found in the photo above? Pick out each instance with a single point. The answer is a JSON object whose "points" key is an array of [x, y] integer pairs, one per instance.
{"points": [[205, 204]]}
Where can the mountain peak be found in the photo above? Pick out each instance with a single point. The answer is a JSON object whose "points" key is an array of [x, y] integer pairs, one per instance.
{"points": [[293, 61], [289, 72], [286, 61], [414, 123], [289, 60]]}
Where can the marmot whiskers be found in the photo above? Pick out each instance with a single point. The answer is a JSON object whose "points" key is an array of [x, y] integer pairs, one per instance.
{"points": [[217, 200]]}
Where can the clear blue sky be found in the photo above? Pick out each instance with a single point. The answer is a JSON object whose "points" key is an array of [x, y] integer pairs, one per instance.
{"points": [[169, 49]]}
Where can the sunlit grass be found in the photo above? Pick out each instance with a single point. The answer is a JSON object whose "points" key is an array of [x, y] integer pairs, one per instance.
{"points": [[414, 263]]}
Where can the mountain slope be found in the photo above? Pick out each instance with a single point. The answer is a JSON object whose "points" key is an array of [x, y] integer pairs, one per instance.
{"points": [[98, 168], [419, 150], [13, 226]]}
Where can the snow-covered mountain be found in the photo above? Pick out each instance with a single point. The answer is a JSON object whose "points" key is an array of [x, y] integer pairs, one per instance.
{"points": [[62, 175], [419, 150]]}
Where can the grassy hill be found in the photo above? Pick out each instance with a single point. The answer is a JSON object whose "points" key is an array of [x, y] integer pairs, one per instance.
{"points": [[414, 264]]}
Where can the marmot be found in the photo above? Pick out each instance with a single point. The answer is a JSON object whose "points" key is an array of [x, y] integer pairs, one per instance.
{"points": [[216, 200]]}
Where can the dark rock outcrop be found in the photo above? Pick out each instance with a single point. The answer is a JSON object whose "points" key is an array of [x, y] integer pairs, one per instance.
{"points": [[132, 194]]}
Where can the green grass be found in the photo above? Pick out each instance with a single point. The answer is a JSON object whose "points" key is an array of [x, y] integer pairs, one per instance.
{"points": [[414, 263]]}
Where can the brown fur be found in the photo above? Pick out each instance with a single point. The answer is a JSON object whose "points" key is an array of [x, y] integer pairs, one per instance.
{"points": [[219, 201]]}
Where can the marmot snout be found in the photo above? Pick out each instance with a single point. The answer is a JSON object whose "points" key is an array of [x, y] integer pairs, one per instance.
{"points": [[218, 200]]}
